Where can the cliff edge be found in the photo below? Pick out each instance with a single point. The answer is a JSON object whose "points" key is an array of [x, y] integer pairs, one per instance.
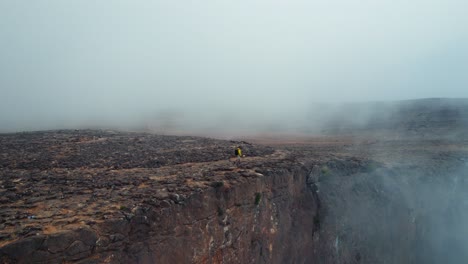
{"points": [[87, 196]]}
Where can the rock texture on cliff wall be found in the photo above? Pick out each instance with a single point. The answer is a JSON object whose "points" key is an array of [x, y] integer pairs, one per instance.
{"points": [[108, 197]]}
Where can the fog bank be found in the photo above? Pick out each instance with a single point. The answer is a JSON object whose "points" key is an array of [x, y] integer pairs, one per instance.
{"points": [[118, 63]]}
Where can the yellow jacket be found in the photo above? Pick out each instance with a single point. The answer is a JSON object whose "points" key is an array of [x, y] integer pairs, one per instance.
{"points": [[239, 152]]}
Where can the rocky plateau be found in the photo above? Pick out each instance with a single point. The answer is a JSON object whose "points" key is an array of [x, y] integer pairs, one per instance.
{"points": [[103, 196]]}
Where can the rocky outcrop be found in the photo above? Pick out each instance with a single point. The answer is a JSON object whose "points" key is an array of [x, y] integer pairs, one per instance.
{"points": [[317, 201], [207, 211], [267, 219]]}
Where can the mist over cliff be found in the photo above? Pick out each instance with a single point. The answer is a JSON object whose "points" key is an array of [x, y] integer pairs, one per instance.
{"points": [[409, 206], [369, 95], [122, 64]]}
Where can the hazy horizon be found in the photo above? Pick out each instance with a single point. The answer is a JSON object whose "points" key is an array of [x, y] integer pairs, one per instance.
{"points": [[118, 63]]}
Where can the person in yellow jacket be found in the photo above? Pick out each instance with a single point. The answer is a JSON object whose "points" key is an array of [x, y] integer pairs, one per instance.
{"points": [[238, 153]]}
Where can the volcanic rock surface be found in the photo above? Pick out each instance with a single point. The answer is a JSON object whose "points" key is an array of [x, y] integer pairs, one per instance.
{"points": [[111, 197], [94, 196]]}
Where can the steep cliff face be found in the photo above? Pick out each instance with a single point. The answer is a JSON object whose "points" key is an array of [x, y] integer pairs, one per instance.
{"points": [[262, 211], [310, 202], [407, 205], [269, 218]]}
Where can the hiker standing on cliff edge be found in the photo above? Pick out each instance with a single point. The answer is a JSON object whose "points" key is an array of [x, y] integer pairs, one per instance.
{"points": [[238, 153]]}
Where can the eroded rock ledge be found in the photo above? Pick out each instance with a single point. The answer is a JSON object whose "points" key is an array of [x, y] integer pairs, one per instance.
{"points": [[106, 197]]}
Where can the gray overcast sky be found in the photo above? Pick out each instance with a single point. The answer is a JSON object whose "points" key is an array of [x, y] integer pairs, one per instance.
{"points": [[79, 59]]}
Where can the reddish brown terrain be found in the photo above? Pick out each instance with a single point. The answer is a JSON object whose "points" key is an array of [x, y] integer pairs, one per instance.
{"points": [[109, 197], [94, 196]]}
